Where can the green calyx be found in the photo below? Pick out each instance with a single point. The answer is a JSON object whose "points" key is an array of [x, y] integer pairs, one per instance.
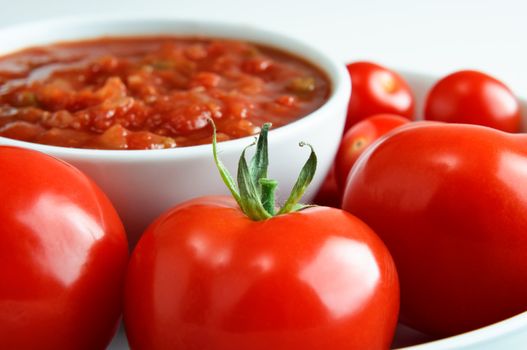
{"points": [[255, 192]]}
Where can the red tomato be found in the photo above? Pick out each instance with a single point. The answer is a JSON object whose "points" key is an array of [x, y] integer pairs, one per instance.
{"points": [[474, 98], [358, 138], [63, 252], [205, 276], [218, 274], [376, 89], [448, 201]]}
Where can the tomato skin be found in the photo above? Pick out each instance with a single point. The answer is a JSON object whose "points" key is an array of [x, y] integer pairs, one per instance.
{"points": [[358, 138], [447, 201], [376, 89], [204, 276], [473, 97], [64, 256]]}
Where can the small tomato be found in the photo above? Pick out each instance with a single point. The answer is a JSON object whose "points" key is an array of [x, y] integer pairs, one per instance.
{"points": [[473, 97], [375, 90], [358, 138]]}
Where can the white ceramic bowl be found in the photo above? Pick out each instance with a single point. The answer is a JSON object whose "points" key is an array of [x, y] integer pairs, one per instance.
{"points": [[143, 184]]}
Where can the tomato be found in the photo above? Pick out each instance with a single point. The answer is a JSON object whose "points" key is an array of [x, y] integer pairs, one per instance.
{"points": [[204, 276], [215, 273], [474, 98], [376, 89], [64, 253], [448, 201], [358, 138]]}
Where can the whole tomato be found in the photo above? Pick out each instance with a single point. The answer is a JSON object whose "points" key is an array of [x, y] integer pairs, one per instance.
{"points": [[474, 98], [449, 202], [376, 89], [217, 273], [64, 253], [358, 138]]}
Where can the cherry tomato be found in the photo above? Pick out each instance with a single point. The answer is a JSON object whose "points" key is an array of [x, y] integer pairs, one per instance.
{"points": [[474, 98], [219, 274], [358, 138], [64, 253], [376, 89], [448, 202]]}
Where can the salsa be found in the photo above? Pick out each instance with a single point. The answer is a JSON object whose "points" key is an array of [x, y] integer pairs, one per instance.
{"points": [[152, 92]]}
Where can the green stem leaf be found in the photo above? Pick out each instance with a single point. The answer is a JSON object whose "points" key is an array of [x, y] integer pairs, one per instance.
{"points": [[304, 179], [260, 160], [224, 173], [251, 202], [255, 193]]}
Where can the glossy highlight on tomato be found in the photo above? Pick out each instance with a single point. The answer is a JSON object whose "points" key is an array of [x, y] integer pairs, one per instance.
{"points": [[64, 254], [448, 201], [473, 97]]}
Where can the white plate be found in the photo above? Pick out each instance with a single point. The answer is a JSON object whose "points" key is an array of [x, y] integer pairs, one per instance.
{"points": [[510, 334]]}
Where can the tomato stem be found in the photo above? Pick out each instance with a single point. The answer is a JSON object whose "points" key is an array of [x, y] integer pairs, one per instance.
{"points": [[255, 192], [268, 194]]}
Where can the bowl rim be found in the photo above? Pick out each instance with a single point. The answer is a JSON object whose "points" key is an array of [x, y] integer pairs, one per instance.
{"points": [[475, 337], [334, 70]]}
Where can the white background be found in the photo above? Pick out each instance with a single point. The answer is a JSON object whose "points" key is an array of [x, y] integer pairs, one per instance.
{"points": [[433, 37]]}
